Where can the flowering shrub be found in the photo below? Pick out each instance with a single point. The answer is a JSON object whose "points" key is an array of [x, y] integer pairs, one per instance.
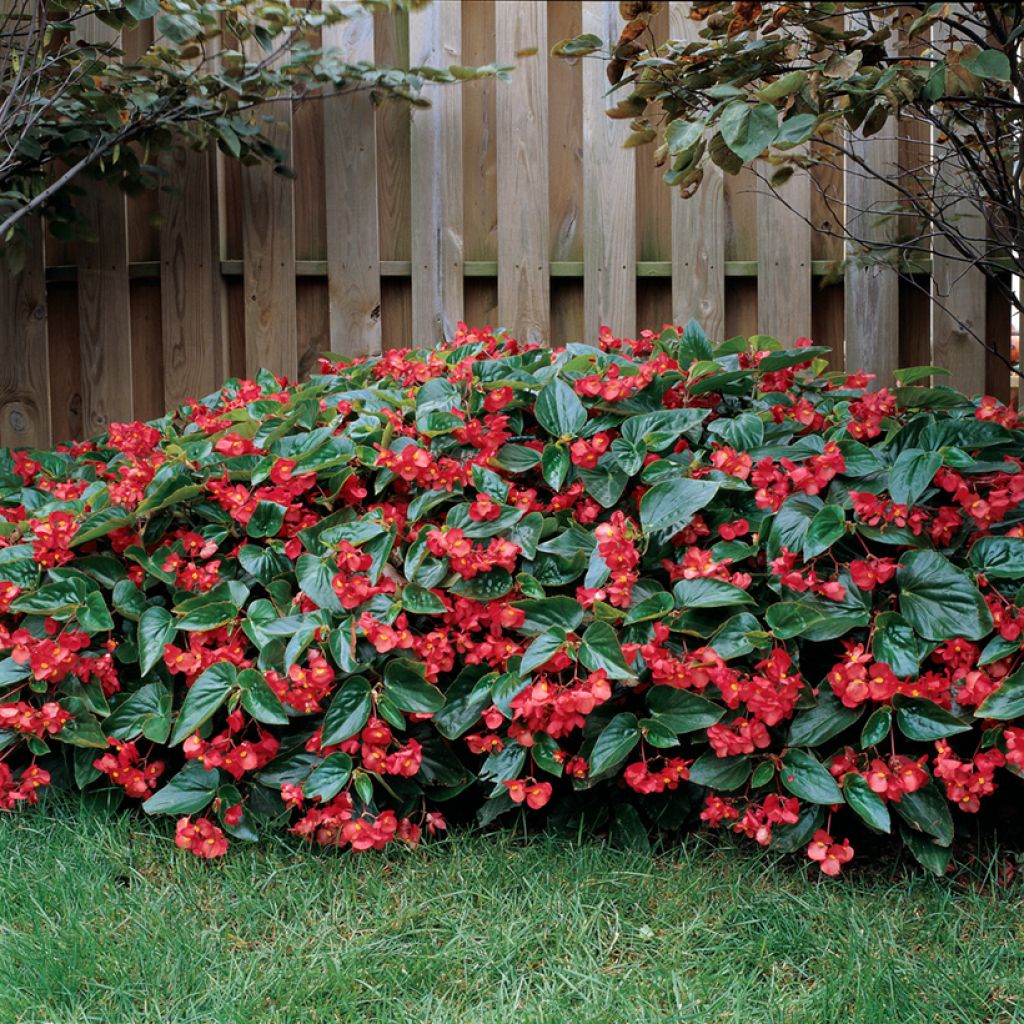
{"points": [[687, 584]]}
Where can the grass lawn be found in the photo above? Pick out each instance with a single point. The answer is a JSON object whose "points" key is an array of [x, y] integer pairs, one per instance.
{"points": [[104, 920]]}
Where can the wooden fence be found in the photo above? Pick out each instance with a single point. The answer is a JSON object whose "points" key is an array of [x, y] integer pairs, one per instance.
{"points": [[508, 204]]}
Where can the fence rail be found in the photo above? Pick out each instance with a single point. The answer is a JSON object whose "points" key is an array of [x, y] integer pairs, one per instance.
{"points": [[509, 204]]}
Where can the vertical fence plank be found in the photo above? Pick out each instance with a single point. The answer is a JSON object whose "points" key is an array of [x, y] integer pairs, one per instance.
{"points": [[784, 258], [872, 290], [480, 139], [268, 244], [190, 312], [24, 362], [958, 304], [698, 228], [435, 39], [609, 194], [353, 241], [104, 299], [523, 246]]}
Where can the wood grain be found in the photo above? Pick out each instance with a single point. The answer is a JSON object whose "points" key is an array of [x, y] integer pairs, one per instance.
{"points": [[268, 243], [609, 194], [958, 311], [872, 288], [480, 131], [352, 223], [565, 137], [190, 309], [523, 204], [435, 40], [391, 48], [104, 302], [698, 229], [24, 362], [784, 258]]}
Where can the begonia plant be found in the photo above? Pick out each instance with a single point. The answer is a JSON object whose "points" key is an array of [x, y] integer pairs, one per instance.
{"points": [[659, 582]]}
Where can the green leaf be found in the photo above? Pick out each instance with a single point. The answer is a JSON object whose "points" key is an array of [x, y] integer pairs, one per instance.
{"points": [[826, 719], [83, 730], [259, 699], [1006, 701], [932, 856], [406, 687], [208, 615], [924, 720], [266, 520], [543, 613], [706, 593], [94, 616], [657, 430], [146, 711], [204, 697], [806, 777], [485, 586], [156, 628], [876, 728], [465, 700], [927, 810], [792, 521], [912, 474], [315, 576], [867, 804], [791, 618], [328, 778], [420, 601], [991, 64], [720, 773], [671, 504], [604, 484], [578, 46], [657, 733], [748, 130], [939, 600], [657, 606], [188, 792], [542, 649], [999, 557], [897, 645], [559, 410], [617, 739], [348, 711], [600, 650], [554, 464], [683, 711], [827, 526], [791, 838]]}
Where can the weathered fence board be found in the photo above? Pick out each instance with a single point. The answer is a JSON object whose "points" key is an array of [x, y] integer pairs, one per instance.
{"points": [[24, 366], [435, 39], [609, 181], [104, 301], [524, 274], [353, 239], [698, 230]]}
